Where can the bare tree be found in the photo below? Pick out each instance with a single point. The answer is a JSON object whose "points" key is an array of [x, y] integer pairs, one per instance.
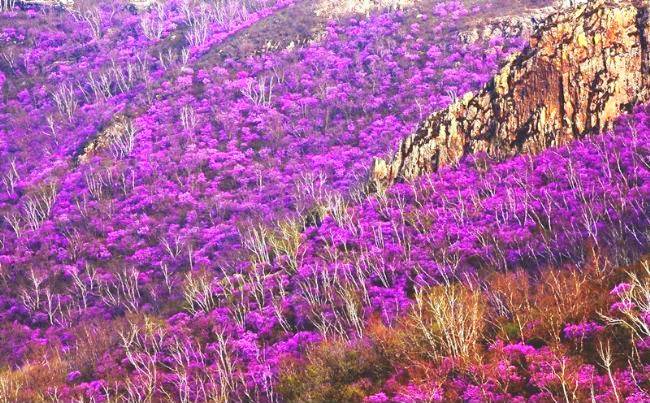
{"points": [[92, 16], [66, 100], [37, 207], [7, 5], [259, 91], [11, 178], [123, 140], [198, 293], [197, 19]]}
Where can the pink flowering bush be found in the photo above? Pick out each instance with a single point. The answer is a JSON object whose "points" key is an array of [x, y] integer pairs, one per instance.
{"points": [[582, 330], [180, 225]]}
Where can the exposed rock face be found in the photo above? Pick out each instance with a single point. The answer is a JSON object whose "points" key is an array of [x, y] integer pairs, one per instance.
{"points": [[119, 131], [138, 4], [518, 25], [340, 8], [46, 3], [583, 68]]}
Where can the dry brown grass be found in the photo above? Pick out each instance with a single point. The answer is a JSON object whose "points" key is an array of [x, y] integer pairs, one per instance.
{"points": [[337, 371], [457, 323], [30, 382]]}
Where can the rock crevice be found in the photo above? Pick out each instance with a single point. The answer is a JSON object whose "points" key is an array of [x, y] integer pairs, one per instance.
{"points": [[583, 68]]}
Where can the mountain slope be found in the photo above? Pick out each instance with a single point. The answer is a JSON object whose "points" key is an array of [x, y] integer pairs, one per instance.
{"points": [[583, 68], [185, 216]]}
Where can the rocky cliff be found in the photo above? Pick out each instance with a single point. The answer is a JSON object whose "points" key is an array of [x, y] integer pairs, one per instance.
{"points": [[582, 69]]}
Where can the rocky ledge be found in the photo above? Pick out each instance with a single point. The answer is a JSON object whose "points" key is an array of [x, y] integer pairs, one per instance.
{"points": [[583, 68]]}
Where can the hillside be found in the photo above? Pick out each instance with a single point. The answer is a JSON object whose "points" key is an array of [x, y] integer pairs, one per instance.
{"points": [[189, 208], [582, 70]]}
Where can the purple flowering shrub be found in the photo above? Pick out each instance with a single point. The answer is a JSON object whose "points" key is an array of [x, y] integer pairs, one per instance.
{"points": [[519, 328], [176, 227], [384, 259]]}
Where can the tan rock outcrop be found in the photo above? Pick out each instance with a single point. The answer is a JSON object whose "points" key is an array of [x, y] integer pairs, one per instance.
{"points": [[117, 136], [583, 68]]}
